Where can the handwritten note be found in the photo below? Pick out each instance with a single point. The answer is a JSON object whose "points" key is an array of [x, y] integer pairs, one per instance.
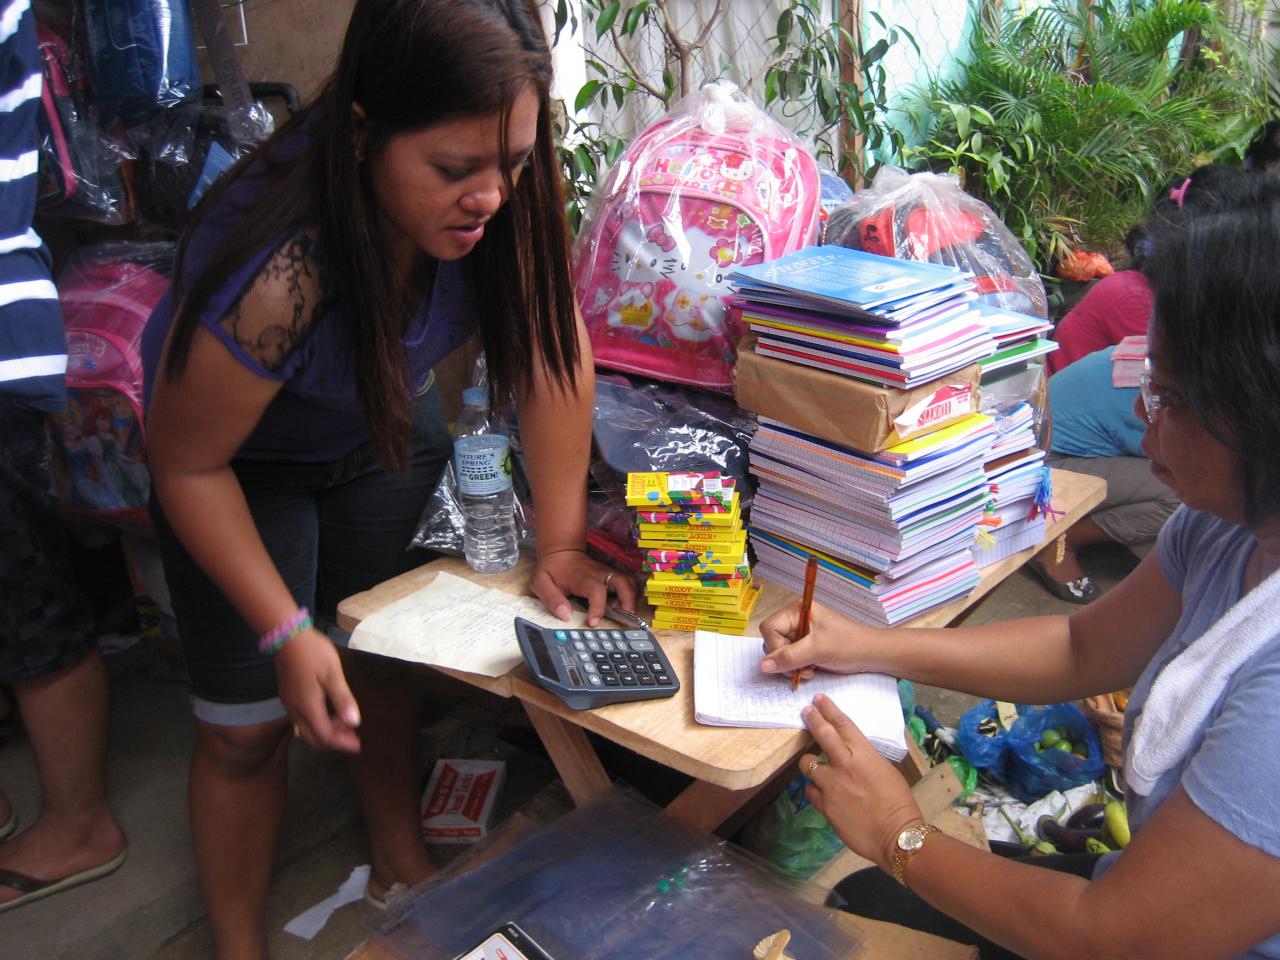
{"points": [[729, 690], [454, 623]]}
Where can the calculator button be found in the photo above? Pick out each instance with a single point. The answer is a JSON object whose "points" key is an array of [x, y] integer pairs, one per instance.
{"points": [[646, 681], [634, 657], [637, 635], [629, 681], [643, 645], [663, 679], [561, 635], [574, 635], [612, 681], [588, 634], [589, 667], [640, 667], [607, 644], [594, 681], [579, 645], [616, 634], [606, 668], [593, 645], [600, 657], [575, 677], [584, 657], [617, 657], [653, 657]]}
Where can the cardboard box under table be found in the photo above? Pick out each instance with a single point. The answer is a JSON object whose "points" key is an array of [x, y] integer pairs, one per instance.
{"points": [[851, 412]]}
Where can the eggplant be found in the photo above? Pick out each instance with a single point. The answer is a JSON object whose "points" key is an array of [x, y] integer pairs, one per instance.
{"points": [[1088, 817], [1065, 839]]}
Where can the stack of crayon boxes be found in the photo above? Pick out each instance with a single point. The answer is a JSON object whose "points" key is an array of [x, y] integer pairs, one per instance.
{"points": [[694, 548]]}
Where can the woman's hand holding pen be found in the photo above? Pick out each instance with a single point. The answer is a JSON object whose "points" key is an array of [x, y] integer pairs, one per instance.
{"points": [[829, 644]]}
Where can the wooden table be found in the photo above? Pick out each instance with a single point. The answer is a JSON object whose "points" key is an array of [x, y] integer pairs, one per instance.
{"points": [[729, 765]]}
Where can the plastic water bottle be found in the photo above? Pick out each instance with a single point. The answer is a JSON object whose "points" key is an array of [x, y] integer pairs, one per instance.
{"points": [[482, 464]]}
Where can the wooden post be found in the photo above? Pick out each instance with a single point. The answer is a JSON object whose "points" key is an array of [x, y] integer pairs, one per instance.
{"points": [[849, 17]]}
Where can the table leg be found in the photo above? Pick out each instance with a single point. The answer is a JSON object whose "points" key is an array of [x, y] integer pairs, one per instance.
{"points": [[704, 806], [571, 753]]}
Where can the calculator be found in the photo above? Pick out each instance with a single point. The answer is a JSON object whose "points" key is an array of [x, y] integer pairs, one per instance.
{"points": [[592, 667]]}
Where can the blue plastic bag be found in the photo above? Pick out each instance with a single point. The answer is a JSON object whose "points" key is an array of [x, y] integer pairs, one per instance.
{"points": [[988, 753], [142, 55], [1030, 773]]}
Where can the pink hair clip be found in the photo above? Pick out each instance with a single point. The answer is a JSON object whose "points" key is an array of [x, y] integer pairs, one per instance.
{"points": [[1178, 194]]}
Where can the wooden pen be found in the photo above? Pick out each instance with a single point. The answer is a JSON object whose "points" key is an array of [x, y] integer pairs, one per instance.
{"points": [[806, 601]]}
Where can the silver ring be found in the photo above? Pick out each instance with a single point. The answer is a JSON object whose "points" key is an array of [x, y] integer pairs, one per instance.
{"points": [[607, 578], [813, 765]]}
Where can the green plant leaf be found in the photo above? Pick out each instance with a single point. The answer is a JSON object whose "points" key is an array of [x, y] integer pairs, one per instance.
{"points": [[586, 94], [607, 17]]}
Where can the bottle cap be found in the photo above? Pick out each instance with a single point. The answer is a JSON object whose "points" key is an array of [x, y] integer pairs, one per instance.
{"points": [[476, 396]]}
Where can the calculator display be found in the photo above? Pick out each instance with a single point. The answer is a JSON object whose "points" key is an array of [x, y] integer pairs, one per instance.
{"points": [[592, 667]]}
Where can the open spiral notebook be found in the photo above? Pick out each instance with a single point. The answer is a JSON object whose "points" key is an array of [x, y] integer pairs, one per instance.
{"points": [[729, 690]]}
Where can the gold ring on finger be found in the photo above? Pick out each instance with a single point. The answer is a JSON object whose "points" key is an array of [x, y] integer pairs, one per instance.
{"points": [[607, 578], [813, 765], [297, 730]]}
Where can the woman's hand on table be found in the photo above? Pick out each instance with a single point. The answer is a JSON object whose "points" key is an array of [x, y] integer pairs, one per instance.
{"points": [[828, 645], [855, 788], [562, 574], [314, 691]]}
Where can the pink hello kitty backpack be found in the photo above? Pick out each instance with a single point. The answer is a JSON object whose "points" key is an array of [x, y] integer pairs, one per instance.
{"points": [[715, 184]]}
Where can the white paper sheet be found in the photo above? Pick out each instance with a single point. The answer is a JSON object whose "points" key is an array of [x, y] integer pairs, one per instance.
{"points": [[312, 920], [729, 690], [455, 623]]}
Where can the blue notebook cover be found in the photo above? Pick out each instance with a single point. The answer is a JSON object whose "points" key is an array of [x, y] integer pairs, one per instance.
{"points": [[842, 275]]}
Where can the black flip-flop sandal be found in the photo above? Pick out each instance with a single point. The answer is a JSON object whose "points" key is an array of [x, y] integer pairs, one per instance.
{"points": [[1080, 590]]}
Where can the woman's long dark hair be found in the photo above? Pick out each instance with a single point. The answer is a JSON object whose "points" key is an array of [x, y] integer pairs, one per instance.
{"points": [[409, 64], [1217, 317]]}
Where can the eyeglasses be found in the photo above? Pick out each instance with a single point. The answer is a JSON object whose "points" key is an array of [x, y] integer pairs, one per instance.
{"points": [[1154, 401]]}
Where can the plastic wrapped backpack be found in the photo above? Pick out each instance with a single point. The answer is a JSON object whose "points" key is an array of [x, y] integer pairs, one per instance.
{"points": [[714, 184], [927, 217]]}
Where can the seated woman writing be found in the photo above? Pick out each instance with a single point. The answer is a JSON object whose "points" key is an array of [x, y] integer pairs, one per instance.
{"points": [[1195, 629]]}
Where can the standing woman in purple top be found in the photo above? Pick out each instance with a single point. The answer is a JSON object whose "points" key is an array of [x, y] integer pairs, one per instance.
{"points": [[294, 429]]}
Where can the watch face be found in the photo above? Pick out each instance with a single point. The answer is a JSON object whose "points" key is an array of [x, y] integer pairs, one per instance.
{"points": [[911, 839]]}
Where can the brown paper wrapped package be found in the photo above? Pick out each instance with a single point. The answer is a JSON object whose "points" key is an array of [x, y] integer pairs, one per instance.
{"points": [[851, 412]]}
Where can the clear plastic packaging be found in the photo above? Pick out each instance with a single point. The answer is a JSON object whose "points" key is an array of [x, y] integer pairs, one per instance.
{"points": [[928, 217], [442, 526], [85, 171], [714, 184], [616, 879], [649, 427], [181, 151]]}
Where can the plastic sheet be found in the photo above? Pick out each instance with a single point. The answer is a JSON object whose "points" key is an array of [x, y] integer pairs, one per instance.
{"points": [[182, 151], [649, 427], [616, 879], [441, 526], [1029, 385], [142, 55], [84, 170], [929, 217], [714, 184]]}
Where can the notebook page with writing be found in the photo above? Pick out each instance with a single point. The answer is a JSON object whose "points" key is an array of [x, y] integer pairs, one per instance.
{"points": [[729, 690]]}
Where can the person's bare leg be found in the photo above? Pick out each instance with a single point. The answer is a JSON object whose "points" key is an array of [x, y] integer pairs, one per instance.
{"points": [[237, 793], [1083, 533], [65, 715], [386, 772]]}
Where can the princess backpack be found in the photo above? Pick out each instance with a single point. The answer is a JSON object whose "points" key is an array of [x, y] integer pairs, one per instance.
{"points": [[714, 184]]}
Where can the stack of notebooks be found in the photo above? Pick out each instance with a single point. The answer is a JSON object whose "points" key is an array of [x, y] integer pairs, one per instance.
{"points": [[1017, 336], [1018, 483], [886, 321], [694, 545], [892, 530]]}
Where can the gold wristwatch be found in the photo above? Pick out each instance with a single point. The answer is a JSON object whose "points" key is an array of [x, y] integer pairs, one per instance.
{"points": [[908, 845]]}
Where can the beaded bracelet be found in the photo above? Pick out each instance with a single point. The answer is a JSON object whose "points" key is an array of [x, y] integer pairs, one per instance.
{"points": [[278, 636]]}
